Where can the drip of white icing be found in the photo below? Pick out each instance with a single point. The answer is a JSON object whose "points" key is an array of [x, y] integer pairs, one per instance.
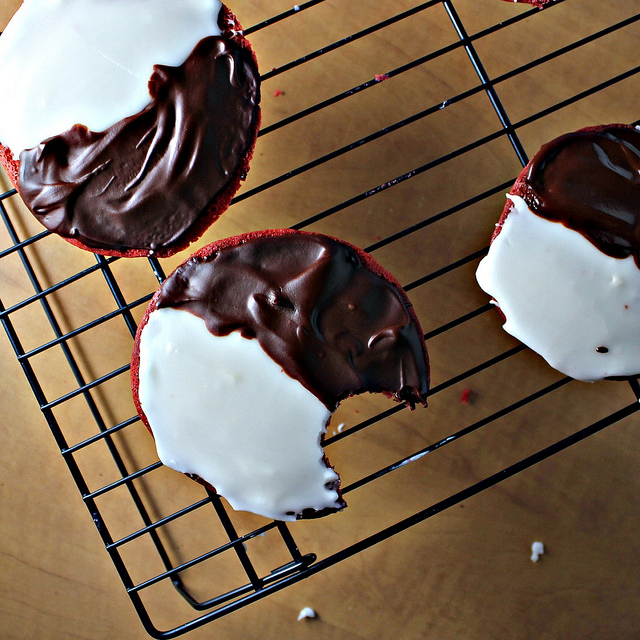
{"points": [[222, 409], [67, 62], [563, 297]]}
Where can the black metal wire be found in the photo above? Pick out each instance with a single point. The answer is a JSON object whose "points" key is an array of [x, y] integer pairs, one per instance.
{"points": [[301, 565], [281, 16], [394, 72], [349, 39]]}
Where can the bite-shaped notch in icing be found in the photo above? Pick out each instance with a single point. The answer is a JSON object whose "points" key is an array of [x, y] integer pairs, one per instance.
{"points": [[247, 349], [222, 410]]}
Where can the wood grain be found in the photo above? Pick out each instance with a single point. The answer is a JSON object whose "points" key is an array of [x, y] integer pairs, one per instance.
{"points": [[465, 573]]}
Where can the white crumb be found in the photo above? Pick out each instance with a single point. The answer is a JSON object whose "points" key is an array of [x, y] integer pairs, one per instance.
{"points": [[340, 427], [296, 7], [307, 612], [537, 549]]}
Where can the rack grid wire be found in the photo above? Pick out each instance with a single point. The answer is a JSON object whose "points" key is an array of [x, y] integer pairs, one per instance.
{"points": [[245, 575]]}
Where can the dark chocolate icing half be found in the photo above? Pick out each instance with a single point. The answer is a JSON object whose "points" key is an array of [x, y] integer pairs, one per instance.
{"points": [[590, 182], [143, 183], [331, 323]]}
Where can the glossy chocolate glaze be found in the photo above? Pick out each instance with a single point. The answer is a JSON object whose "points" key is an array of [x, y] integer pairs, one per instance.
{"points": [[143, 183], [590, 182], [332, 324]]}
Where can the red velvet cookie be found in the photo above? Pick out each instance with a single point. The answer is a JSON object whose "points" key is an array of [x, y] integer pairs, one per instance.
{"points": [[164, 168], [564, 262], [246, 351]]}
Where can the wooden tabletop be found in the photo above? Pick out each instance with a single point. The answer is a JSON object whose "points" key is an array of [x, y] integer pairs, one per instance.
{"points": [[465, 573]]}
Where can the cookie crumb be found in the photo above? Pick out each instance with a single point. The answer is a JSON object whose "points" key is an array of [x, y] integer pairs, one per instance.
{"points": [[307, 612], [537, 549]]}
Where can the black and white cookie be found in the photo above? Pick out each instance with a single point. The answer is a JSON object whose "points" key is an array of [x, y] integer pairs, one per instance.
{"points": [[129, 124], [246, 351], [564, 262]]}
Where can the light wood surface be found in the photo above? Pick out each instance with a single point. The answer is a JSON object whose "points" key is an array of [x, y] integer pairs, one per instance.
{"points": [[463, 574]]}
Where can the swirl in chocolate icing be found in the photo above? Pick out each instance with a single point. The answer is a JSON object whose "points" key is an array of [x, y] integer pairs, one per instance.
{"points": [[143, 183], [327, 320], [590, 182]]}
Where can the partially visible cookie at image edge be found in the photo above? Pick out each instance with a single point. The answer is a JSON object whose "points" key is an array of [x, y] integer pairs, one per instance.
{"points": [[564, 262], [130, 125]]}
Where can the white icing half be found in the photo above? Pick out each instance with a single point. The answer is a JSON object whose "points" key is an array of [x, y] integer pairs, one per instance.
{"points": [[67, 62], [221, 408], [563, 297]]}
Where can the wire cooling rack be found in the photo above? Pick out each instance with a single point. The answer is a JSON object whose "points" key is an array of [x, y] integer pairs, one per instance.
{"points": [[178, 539]]}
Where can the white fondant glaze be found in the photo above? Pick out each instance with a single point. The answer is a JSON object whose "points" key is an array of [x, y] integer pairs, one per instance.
{"points": [[67, 62], [563, 297], [222, 409]]}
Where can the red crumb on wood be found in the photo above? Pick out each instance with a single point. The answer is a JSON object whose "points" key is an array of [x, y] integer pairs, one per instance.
{"points": [[381, 77], [277, 93], [465, 396], [535, 3]]}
